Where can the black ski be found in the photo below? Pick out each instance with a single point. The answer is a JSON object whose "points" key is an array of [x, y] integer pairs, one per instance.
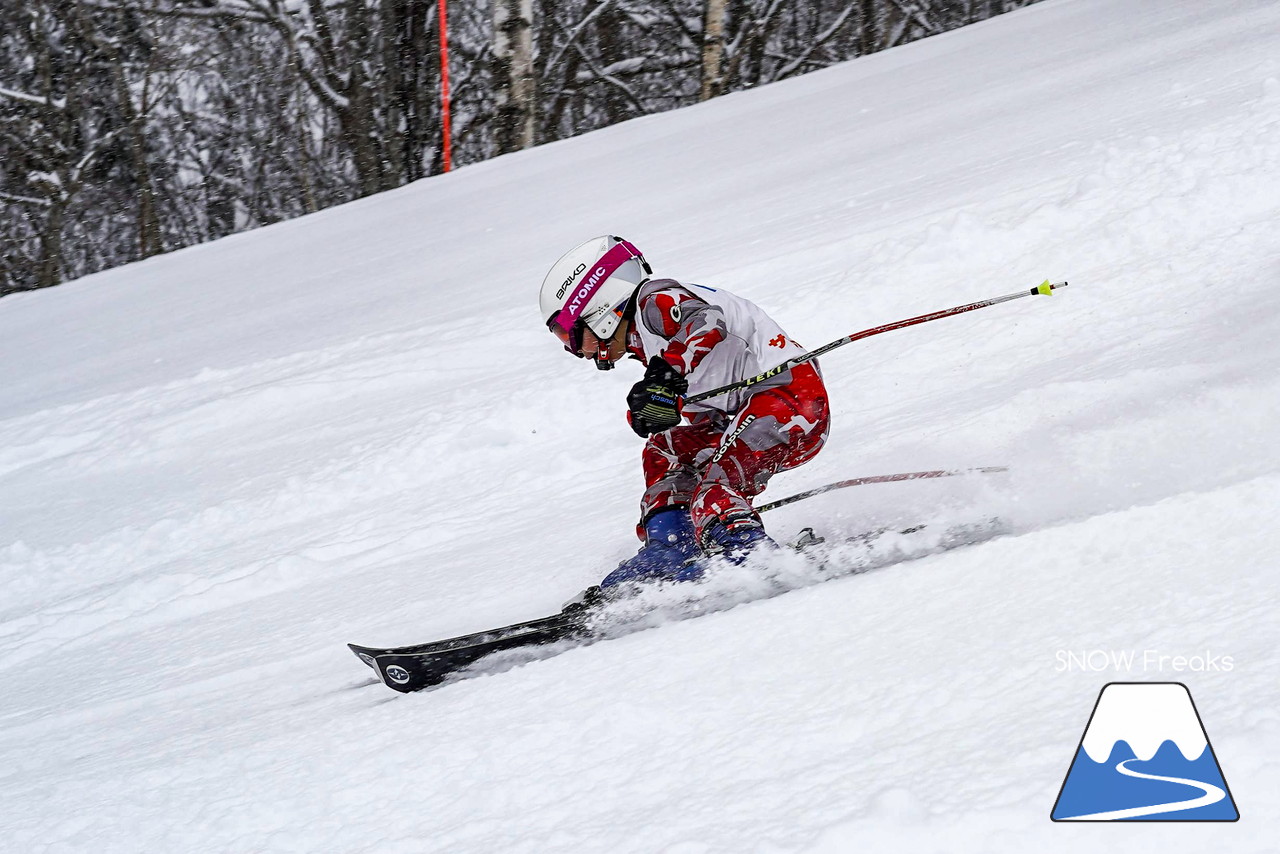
{"points": [[412, 668]]}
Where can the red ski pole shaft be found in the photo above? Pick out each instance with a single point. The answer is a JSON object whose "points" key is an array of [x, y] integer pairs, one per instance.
{"points": [[1045, 288]]}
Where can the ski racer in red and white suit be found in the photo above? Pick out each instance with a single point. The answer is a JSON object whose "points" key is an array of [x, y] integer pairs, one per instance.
{"points": [[703, 462], [732, 444]]}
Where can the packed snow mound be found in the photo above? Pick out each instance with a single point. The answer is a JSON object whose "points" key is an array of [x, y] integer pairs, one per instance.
{"points": [[218, 466]]}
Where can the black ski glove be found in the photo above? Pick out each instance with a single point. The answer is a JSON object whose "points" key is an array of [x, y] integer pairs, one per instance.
{"points": [[654, 403]]}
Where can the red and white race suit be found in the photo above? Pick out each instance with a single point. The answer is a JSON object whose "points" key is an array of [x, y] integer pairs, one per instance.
{"points": [[733, 443]]}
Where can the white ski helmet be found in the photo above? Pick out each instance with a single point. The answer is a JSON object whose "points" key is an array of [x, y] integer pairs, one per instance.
{"points": [[589, 286]]}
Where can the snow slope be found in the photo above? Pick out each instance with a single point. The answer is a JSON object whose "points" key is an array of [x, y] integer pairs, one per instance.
{"points": [[219, 465]]}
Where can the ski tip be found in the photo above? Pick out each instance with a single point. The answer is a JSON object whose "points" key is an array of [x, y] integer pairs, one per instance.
{"points": [[365, 654]]}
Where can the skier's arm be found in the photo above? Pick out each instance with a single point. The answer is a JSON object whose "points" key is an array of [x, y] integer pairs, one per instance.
{"points": [[692, 327]]}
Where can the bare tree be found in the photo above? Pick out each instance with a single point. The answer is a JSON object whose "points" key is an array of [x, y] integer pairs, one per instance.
{"points": [[56, 134], [712, 48], [515, 85]]}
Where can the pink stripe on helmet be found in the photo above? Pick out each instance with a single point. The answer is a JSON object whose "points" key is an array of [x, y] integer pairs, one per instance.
{"points": [[595, 277]]}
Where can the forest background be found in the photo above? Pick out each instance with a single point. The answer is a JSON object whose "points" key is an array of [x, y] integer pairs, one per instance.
{"points": [[134, 127]]}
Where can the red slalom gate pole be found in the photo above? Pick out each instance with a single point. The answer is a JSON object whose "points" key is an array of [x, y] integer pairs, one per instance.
{"points": [[1045, 288], [879, 478], [447, 131]]}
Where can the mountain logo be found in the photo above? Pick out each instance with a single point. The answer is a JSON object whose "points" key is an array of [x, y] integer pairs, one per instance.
{"points": [[1144, 756]]}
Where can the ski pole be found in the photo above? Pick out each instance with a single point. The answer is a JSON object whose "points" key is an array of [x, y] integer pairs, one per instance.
{"points": [[1045, 288], [879, 478]]}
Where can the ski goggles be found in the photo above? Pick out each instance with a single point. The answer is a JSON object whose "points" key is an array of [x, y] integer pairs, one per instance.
{"points": [[571, 338]]}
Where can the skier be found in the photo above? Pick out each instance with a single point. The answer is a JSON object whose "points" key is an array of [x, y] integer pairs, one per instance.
{"points": [[602, 302]]}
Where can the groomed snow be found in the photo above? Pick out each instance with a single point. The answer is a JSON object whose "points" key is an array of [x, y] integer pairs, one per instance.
{"points": [[218, 466]]}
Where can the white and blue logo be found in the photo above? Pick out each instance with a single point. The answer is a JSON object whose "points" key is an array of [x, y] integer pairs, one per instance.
{"points": [[1145, 756], [397, 674]]}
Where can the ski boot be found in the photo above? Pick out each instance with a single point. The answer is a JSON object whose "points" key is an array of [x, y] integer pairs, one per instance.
{"points": [[737, 539], [669, 545]]}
